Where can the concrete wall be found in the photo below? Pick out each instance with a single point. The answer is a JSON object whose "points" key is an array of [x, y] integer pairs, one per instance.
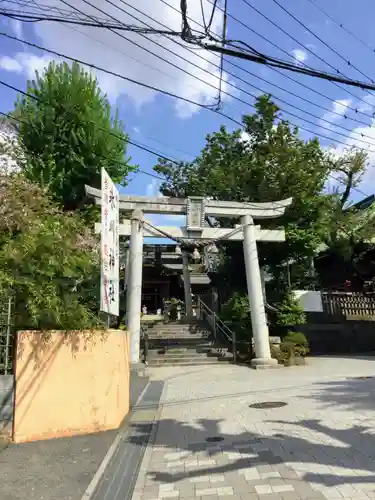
{"points": [[70, 384], [346, 337], [310, 300], [6, 403]]}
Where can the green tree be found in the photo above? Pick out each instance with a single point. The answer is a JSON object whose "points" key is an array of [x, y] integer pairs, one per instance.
{"points": [[48, 259], [67, 133], [350, 225], [268, 162], [290, 311]]}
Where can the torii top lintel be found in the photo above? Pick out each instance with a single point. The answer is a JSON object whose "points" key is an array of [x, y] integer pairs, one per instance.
{"points": [[202, 207]]}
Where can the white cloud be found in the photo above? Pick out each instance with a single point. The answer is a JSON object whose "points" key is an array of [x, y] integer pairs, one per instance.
{"points": [[25, 62], [299, 55], [368, 105], [10, 64], [339, 109], [106, 49], [152, 189]]}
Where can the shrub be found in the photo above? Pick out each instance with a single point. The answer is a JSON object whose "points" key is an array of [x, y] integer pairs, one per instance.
{"points": [[49, 261], [295, 344], [236, 313], [290, 311]]}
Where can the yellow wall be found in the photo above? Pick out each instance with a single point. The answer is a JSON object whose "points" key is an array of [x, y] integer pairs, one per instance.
{"points": [[69, 384]]}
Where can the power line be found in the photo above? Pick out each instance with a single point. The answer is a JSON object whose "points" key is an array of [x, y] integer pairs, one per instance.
{"points": [[285, 75], [122, 77], [356, 37], [309, 30], [152, 41], [129, 141], [335, 81], [234, 86], [137, 44], [229, 83], [272, 62], [123, 27], [231, 63], [138, 145], [170, 94]]}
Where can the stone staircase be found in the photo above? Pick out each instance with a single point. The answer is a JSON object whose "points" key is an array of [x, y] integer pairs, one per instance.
{"points": [[182, 344]]}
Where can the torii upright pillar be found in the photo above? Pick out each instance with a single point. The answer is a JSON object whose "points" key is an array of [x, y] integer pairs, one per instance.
{"points": [[196, 209], [263, 357], [134, 285]]}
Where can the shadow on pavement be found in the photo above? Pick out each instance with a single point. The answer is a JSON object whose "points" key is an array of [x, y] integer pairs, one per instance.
{"points": [[322, 454]]}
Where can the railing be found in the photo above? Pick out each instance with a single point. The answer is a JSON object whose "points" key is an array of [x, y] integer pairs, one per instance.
{"points": [[217, 326], [145, 341], [349, 304]]}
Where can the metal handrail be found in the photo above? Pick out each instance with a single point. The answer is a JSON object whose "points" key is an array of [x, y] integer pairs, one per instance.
{"points": [[144, 337], [218, 324]]}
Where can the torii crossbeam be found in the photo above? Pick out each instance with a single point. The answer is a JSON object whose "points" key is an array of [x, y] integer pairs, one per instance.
{"points": [[196, 209]]}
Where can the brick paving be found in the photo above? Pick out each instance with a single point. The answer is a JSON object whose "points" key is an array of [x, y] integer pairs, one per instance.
{"points": [[321, 445]]}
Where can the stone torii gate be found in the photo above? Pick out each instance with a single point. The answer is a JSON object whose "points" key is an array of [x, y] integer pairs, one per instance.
{"points": [[196, 209]]}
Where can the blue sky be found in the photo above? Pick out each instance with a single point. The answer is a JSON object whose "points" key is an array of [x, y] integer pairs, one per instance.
{"points": [[178, 130]]}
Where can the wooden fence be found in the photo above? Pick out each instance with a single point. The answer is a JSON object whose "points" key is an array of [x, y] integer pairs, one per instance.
{"points": [[349, 305]]}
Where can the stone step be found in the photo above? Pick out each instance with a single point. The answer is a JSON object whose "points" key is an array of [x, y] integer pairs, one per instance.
{"points": [[205, 349], [174, 326], [177, 333], [183, 354], [179, 340], [187, 338], [172, 361]]}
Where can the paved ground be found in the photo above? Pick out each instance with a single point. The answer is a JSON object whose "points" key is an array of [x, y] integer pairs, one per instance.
{"points": [[321, 445], [56, 469]]}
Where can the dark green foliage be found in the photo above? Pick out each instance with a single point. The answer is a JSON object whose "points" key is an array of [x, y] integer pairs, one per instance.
{"points": [[68, 134], [49, 261], [236, 314], [290, 311], [294, 344], [269, 164], [269, 161]]}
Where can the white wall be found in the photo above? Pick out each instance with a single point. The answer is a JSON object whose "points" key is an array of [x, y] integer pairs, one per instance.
{"points": [[311, 300]]}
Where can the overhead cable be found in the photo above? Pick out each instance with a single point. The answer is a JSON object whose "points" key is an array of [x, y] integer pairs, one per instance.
{"points": [[285, 75], [309, 30], [351, 33], [322, 119], [170, 94], [128, 140], [335, 81]]}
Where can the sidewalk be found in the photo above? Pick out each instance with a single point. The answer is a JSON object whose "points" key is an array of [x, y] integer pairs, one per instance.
{"points": [[209, 444], [56, 469]]}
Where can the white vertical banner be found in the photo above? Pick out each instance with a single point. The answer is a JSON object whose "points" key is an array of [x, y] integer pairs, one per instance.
{"points": [[110, 248]]}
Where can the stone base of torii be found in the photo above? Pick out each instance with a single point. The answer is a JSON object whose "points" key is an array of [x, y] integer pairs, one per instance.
{"points": [[196, 209]]}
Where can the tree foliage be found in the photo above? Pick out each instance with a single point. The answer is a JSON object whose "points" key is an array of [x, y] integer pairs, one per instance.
{"points": [[290, 311], [68, 134], [236, 313], [269, 161], [350, 225], [48, 259]]}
